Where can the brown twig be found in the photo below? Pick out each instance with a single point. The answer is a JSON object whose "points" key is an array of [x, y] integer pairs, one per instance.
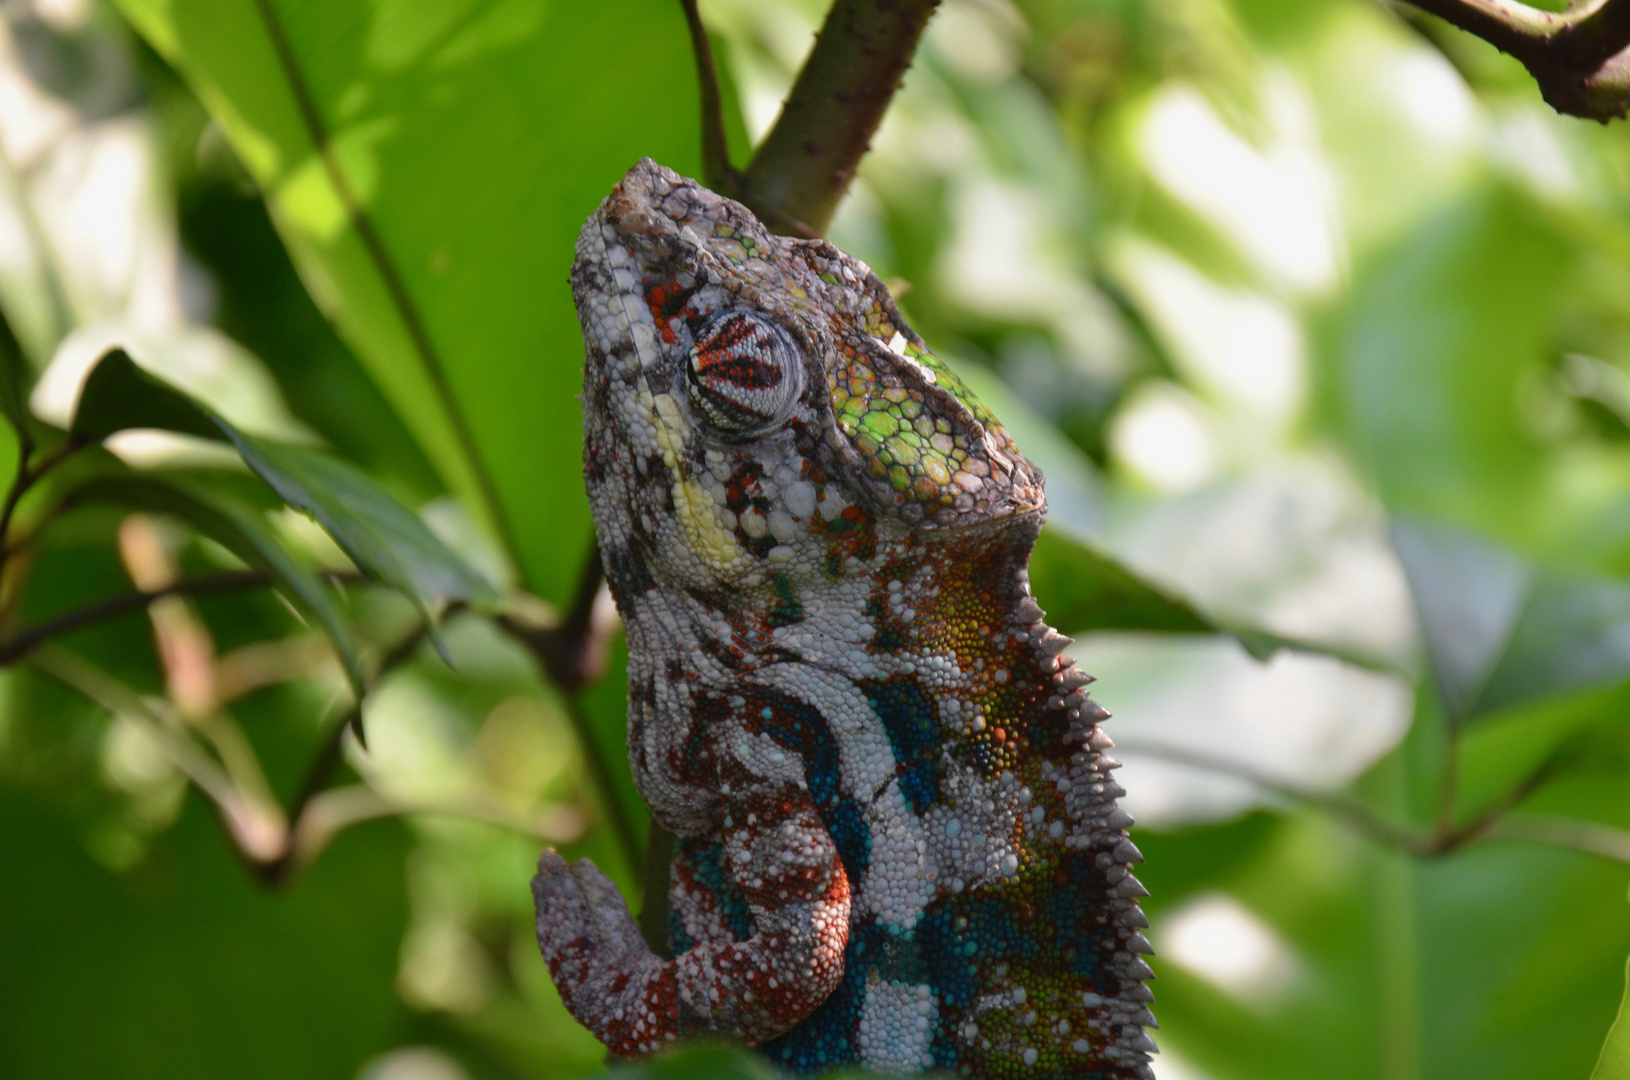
{"points": [[717, 172], [572, 652], [807, 161], [1591, 837], [1352, 814], [1580, 58], [24, 641]]}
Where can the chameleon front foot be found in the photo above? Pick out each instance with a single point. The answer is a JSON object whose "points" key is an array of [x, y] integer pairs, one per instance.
{"points": [[610, 981]]}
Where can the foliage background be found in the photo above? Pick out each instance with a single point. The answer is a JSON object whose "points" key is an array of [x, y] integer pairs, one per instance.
{"points": [[1315, 317]]}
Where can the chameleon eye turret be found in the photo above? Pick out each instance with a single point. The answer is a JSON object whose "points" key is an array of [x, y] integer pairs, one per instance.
{"points": [[742, 372], [897, 838]]}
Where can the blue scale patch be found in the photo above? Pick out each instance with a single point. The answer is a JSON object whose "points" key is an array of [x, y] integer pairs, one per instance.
{"points": [[964, 937], [827, 1036], [911, 720], [707, 866], [800, 729]]}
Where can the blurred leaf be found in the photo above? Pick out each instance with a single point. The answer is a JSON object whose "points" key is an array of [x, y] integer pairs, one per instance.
{"points": [[385, 539], [1468, 593], [1501, 962], [15, 377], [1581, 734], [189, 969], [1084, 590], [699, 1063], [118, 396], [1614, 1063], [239, 530], [1499, 631], [375, 130], [1427, 359]]}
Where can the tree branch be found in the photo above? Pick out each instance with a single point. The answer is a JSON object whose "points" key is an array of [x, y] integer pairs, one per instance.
{"points": [[23, 642], [1349, 813], [28, 474], [1443, 838], [806, 162], [717, 172], [1580, 58], [1588, 836]]}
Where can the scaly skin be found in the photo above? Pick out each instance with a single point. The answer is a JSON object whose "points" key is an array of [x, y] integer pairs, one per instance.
{"points": [[898, 839]]}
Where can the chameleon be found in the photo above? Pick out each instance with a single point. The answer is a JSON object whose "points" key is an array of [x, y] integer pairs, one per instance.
{"points": [[897, 843]]}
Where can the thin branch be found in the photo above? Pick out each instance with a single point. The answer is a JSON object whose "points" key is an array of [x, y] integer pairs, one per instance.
{"points": [[1589, 837], [1443, 839], [338, 809], [808, 159], [716, 170], [257, 830], [1352, 814], [572, 655], [276, 872], [1579, 58], [20, 482], [573, 652], [23, 642], [28, 474], [328, 757]]}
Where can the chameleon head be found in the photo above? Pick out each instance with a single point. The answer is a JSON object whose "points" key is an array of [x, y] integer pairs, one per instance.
{"points": [[757, 413]]}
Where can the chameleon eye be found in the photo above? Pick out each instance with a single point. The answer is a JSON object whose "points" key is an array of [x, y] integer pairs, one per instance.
{"points": [[742, 372]]}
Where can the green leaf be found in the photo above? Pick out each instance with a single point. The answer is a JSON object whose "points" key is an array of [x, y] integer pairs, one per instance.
{"points": [[15, 377], [1501, 631], [190, 969], [1614, 1064], [699, 1063], [429, 166], [241, 531], [1428, 354], [385, 539], [118, 396], [1501, 962], [1083, 590]]}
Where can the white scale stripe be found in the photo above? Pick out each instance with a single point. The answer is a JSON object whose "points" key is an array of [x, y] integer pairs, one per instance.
{"points": [[896, 1021]]}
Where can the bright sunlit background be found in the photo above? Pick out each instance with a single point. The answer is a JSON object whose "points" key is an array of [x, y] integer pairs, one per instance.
{"points": [[1314, 315]]}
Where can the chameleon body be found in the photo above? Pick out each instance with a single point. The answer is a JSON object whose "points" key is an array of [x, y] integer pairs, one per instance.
{"points": [[898, 843]]}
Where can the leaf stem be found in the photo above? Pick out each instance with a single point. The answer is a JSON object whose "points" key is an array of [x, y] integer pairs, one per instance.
{"points": [[276, 872]]}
